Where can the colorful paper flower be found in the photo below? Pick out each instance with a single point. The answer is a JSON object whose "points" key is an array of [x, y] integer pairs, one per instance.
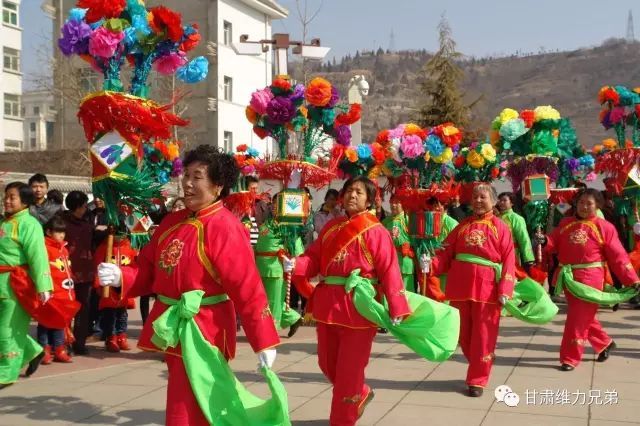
{"points": [[261, 132], [434, 145], [75, 38], [101, 9], [608, 94], [195, 71], [251, 115], [610, 144], [192, 38], [449, 134], [342, 135], [513, 129], [617, 115], [280, 110], [260, 99], [364, 151], [282, 84], [546, 113], [475, 159], [411, 146], [169, 63], [298, 93], [507, 114], [528, 116], [351, 154], [165, 19], [103, 43], [350, 117], [318, 92], [488, 152]]}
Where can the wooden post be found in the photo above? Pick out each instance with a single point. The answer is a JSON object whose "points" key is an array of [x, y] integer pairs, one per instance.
{"points": [[109, 256]]}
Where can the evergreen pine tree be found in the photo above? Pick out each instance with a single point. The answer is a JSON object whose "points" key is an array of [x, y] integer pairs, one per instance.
{"points": [[439, 97]]}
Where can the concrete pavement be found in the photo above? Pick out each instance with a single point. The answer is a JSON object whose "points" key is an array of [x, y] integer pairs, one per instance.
{"points": [[129, 388]]}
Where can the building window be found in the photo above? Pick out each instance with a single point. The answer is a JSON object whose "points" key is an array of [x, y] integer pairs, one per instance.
{"points": [[12, 105], [228, 141], [228, 33], [49, 133], [12, 145], [32, 127], [33, 143], [88, 80], [10, 13], [11, 59], [36, 110], [228, 89]]}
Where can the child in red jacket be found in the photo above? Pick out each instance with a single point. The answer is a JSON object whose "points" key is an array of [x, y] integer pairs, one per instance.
{"points": [[60, 268], [114, 308]]}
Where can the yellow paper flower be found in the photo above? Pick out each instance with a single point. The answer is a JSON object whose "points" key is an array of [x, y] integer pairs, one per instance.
{"points": [[546, 113], [303, 110], [475, 159], [427, 156], [610, 144], [446, 156], [488, 152], [411, 128], [351, 154], [508, 114]]}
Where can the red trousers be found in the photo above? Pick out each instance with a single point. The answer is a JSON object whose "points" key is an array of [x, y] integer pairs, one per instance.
{"points": [[343, 355], [581, 326], [479, 323], [182, 407]]}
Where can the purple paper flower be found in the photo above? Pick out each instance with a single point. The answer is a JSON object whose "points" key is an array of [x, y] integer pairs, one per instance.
{"points": [[280, 110], [178, 168], [335, 97], [573, 164], [75, 38], [298, 92], [342, 135]]}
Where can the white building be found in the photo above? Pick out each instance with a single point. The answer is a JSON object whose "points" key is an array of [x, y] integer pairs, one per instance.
{"points": [[216, 106], [11, 134], [39, 117]]}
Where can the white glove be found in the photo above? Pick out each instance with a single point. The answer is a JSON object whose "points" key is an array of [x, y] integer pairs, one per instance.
{"points": [[109, 275], [266, 358], [502, 299], [288, 265], [44, 296], [396, 321]]}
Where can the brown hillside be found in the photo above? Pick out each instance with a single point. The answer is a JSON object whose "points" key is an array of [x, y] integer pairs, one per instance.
{"points": [[569, 81]]}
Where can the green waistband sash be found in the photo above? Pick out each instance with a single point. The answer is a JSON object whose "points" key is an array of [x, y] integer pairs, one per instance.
{"points": [[610, 295], [221, 397], [538, 309], [431, 330], [472, 258]]}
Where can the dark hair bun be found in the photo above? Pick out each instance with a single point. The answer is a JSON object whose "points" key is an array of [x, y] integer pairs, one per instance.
{"points": [[221, 167]]}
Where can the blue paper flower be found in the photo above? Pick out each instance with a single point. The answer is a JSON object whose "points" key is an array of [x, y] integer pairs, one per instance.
{"points": [[77, 14], [434, 146], [587, 161], [194, 71], [141, 25], [253, 152], [364, 151]]}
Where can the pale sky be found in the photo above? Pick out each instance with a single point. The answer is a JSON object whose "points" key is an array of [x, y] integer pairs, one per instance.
{"points": [[480, 28]]}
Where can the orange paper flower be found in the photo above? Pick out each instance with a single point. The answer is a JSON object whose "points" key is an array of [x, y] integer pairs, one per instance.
{"points": [[252, 116], [282, 84], [610, 144], [351, 154], [318, 92]]}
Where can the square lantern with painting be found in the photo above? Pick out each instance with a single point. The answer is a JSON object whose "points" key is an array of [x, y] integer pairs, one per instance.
{"points": [[425, 224], [292, 207], [536, 188]]}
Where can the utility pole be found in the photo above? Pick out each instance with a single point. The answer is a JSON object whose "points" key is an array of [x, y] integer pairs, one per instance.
{"points": [[630, 34]]}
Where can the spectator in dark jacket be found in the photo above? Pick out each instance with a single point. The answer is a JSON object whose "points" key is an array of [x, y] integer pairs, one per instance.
{"points": [[80, 238], [43, 209]]}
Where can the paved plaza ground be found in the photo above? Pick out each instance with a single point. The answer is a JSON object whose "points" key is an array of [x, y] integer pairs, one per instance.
{"points": [[129, 388]]}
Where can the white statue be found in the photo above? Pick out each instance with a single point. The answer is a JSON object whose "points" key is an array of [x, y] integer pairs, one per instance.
{"points": [[358, 89]]}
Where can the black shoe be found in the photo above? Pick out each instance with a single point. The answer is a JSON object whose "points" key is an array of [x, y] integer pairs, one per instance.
{"points": [[34, 364], [615, 307], [567, 367], [83, 351], [382, 330], [294, 328], [604, 355], [5, 385], [475, 391]]}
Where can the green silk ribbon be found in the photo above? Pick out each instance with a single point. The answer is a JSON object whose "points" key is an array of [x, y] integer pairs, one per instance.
{"points": [[610, 295]]}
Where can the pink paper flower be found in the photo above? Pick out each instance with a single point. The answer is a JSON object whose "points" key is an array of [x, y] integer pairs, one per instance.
{"points": [[104, 42], [169, 64], [260, 99], [617, 115], [591, 177], [411, 146], [397, 132]]}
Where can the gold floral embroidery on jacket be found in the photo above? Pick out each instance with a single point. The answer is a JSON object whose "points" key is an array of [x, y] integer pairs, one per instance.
{"points": [[579, 236], [475, 238], [266, 313], [170, 256], [489, 357]]}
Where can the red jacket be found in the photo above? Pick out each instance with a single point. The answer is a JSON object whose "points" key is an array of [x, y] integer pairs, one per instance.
{"points": [[60, 268]]}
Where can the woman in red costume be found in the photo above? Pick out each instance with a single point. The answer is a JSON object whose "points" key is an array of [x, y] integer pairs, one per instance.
{"points": [[478, 256], [204, 251], [585, 244], [356, 241]]}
